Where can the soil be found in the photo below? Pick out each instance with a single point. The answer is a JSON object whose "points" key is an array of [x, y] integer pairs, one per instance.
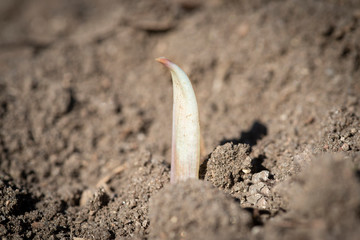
{"points": [[85, 119]]}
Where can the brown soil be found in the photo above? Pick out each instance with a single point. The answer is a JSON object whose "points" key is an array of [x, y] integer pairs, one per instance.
{"points": [[85, 119]]}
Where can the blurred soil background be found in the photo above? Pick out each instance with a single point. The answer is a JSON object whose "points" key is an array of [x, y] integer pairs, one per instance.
{"points": [[85, 119]]}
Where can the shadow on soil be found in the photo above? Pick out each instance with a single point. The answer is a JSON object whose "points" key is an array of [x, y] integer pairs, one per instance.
{"points": [[257, 131]]}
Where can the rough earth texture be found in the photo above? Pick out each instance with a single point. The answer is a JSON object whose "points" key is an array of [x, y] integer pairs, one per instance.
{"points": [[85, 118], [186, 216]]}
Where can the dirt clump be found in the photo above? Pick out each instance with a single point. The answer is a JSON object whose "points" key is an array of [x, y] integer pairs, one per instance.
{"points": [[324, 192], [231, 169], [196, 210], [228, 164]]}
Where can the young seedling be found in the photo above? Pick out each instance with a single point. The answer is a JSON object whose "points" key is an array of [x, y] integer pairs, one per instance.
{"points": [[185, 154]]}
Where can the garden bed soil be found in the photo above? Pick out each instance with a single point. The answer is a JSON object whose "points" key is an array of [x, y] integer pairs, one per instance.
{"points": [[85, 119]]}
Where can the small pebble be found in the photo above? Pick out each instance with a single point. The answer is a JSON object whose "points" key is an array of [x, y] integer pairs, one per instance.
{"points": [[3, 230], [265, 191], [173, 219], [262, 203], [345, 147], [253, 199], [353, 131], [256, 230], [86, 196], [262, 176], [252, 189], [144, 223], [132, 204], [256, 188]]}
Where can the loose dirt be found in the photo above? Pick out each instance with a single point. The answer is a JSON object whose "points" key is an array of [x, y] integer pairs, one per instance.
{"points": [[85, 119]]}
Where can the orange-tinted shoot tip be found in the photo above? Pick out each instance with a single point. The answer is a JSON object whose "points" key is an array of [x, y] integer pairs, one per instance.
{"points": [[164, 61]]}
